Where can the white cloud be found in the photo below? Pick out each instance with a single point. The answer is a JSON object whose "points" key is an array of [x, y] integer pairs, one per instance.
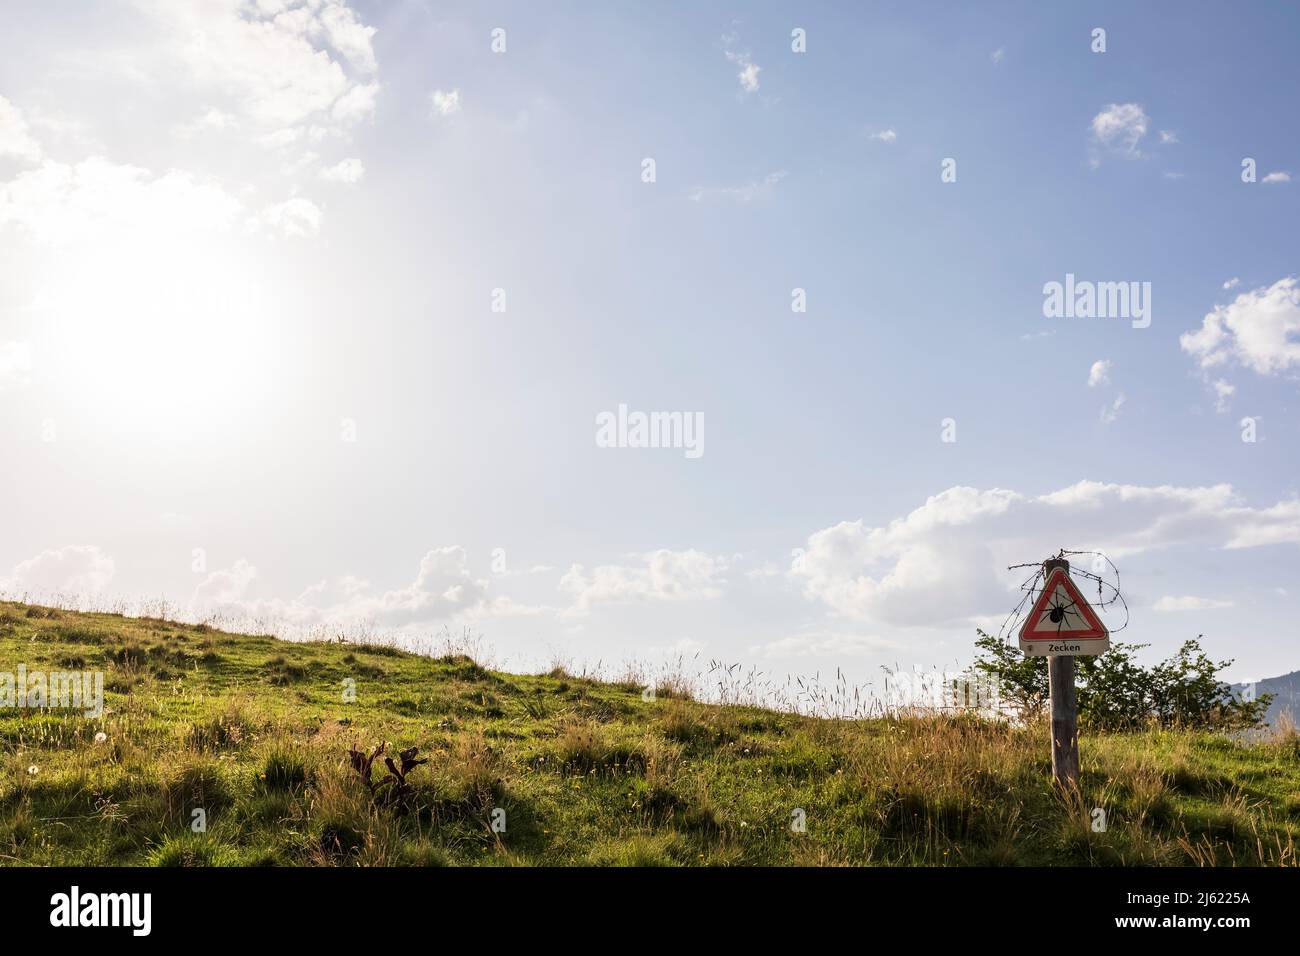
{"points": [[1169, 136], [743, 194], [1099, 374], [749, 70], [349, 36], [59, 126], [825, 644], [682, 647], [15, 362], [998, 55], [885, 136], [442, 587], [58, 202], [224, 587], [73, 571], [445, 102], [1280, 176], [661, 575], [1223, 390], [296, 217], [355, 105], [273, 63], [1188, 603], [443, 590], [209, 121], [281, 138], [349, 172], [1231, 283], [304, 161], [1111, 412], [1257, 330], [15, 140], [943, 564], [1120, 128]]}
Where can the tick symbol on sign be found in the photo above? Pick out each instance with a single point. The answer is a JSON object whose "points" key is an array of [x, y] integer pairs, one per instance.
{"points": [[1060, 612]]}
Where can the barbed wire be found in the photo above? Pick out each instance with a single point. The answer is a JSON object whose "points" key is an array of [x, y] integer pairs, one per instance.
{"points": [[1028, 588], [1104, 601], [1108, 594]]}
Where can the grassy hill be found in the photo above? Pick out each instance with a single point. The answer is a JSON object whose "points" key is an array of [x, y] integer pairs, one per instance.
{"points": [[255, 733]]}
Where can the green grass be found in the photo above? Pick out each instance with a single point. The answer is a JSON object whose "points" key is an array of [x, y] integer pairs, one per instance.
{"points": [[255, 734]]}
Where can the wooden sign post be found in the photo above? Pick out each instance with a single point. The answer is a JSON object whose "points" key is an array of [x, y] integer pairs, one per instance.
{"points": [[1061, 626], [1065, 708], [1065, 721]]}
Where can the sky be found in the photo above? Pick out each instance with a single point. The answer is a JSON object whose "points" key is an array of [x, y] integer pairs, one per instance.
{"points": [[340, 317]]}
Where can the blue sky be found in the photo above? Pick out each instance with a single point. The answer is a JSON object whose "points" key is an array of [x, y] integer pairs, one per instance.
{"points": [[234, 227]]}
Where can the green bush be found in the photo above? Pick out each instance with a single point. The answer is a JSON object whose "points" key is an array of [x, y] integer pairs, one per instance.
{"points": [[1115, 692]]}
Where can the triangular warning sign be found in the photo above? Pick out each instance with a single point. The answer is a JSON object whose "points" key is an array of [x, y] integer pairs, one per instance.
{"points": [[1061, 613]]}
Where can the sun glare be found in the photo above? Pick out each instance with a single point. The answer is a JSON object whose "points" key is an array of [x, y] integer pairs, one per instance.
{"points": [[154, 336]]}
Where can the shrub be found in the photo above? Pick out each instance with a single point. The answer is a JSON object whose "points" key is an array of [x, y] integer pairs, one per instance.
{"points": [[1117, 693]]}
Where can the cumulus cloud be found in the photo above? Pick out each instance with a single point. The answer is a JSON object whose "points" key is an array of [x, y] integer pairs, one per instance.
{"points": [[282, 75], [443, 590], [274, 63], [1099, 374], [349, 172], [1120, 127], [1280, 176], [1188, 603], [348, 35], [352, 107], [74, 571], [1231, 283], [59, 202], [1257, 330], [225, 587], [885, 136], [15, 140], [445, 102], [1169, 137], [443, 586], [295, 217], [212, 120], [661, 575], [943, 563]]}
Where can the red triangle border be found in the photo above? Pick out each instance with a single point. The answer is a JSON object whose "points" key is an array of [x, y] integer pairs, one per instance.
{"points": [[1096, 630]]}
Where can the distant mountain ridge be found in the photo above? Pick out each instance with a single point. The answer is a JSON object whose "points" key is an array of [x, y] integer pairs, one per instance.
{"points": [[1286, 697]]}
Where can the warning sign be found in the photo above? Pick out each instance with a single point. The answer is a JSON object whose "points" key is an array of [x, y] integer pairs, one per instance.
{"points": [[1062, 622]]}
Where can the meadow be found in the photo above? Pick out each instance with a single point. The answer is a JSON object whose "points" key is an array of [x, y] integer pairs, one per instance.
{"points": [[217, 749]]}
